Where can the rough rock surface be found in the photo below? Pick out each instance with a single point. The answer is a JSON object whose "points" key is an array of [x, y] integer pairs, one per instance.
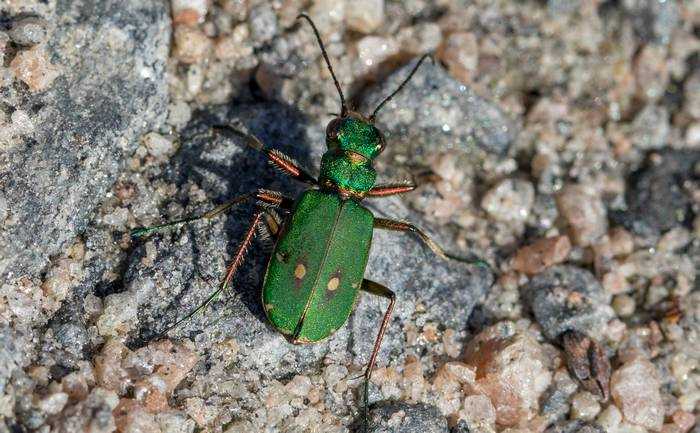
{"points": [[398, 417], [657, 199], [459, 118], [565, 297], [110, 89]]}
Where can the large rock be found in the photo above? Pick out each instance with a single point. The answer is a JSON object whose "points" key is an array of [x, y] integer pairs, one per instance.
{"points": [[568, 298], [435, 112], [110, 59], [399, 417], [657, 200]]}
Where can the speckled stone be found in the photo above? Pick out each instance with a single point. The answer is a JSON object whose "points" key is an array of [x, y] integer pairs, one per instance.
{"points": [[435, 111], [656, 199], [567, 297], [399, 417]]}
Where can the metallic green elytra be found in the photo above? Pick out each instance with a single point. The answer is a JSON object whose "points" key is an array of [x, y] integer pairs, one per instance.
{"points": [[317, 267]]}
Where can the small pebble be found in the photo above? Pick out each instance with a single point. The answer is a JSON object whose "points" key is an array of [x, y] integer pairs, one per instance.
{"points": [[188, 12], [479, 413], [34, 68], [372, 51], [119, 315], [650, 129], [236, 45], [584, 406], [158, 146], [684, 420], [179, 113], [329, 15], [460, 52], [263, 23], [365, 16], [299, 386], [541, 254], [636, 389], [54, 403], [190, 45], [512, 370], [624, 305], [585, 213], [421, 38], [28, 31], [510, 200], [565, 298], [610, 418]]}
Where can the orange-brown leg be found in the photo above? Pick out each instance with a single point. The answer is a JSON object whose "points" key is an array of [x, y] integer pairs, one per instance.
{"points": [[403, 226], [280, 160], [379, 290], [230, 271], [264, 197], [391, 189]]}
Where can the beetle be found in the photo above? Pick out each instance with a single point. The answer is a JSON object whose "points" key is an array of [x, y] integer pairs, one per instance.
{"points": [[316, 270]]}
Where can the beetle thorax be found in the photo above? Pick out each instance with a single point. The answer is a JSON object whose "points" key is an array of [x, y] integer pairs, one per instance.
{"points": [[347, 172]]}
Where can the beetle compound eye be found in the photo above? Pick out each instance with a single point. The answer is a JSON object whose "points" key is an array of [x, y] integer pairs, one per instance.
{"points": [[333, 130], [382, 143]]}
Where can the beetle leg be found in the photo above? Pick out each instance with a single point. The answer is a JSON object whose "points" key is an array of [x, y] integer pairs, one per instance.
{"points": [[404, 226], [280, 160], [230, 270], [242, 249], [391, 189], [379, 290], [270, 198], [270, 229]]}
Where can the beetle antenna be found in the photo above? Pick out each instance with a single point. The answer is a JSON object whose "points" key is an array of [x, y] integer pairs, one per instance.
{"points": [[388, 98], [343, 108]]}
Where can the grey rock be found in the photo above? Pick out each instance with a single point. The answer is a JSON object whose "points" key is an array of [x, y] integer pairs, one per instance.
{"points": [[555, 403], [13, 353], [111, 89], [420, 417], [176, 281], [577, 426], [568, 297], [653, 20], [656, 199], [447, 290], [650, 128], [436, 112], [562, 7], [263, 23], [28, 31]]}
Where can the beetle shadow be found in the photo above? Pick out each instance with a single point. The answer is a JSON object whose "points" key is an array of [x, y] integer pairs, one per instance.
{"points": [[224, 167]]}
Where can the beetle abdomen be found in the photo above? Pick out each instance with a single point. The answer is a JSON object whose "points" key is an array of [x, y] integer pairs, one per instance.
{"points": [[317, 266]]}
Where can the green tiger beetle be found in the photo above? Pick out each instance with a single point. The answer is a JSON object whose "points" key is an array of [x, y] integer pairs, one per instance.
{"points": [[317, 268]]}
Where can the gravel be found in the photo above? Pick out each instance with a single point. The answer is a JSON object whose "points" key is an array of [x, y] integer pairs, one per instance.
{"points": [[557, 140]]}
